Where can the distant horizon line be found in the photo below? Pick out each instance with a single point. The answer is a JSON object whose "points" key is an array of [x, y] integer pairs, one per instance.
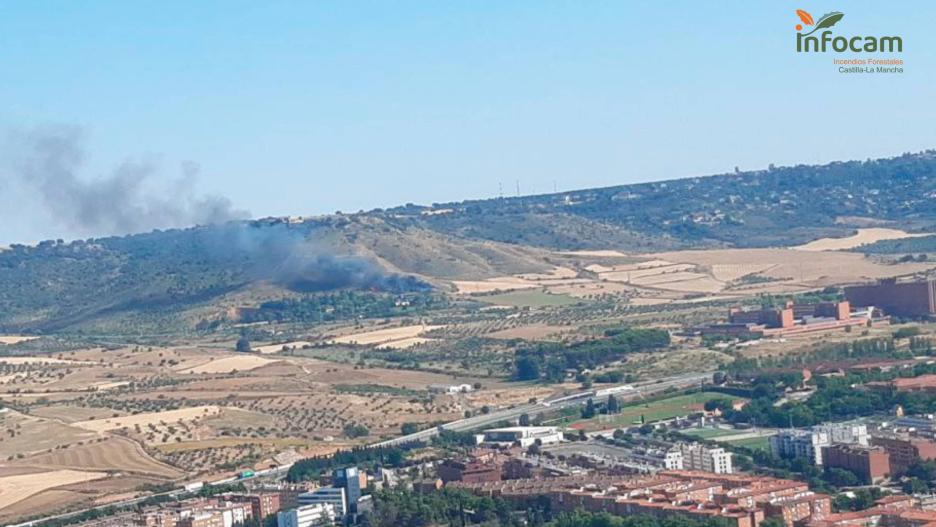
{"points": [[436, 205]]}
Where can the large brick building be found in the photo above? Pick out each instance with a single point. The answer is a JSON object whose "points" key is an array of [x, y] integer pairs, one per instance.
{"points": [[870, 464], [911, 299], [904, 451], [470, 471], [787, 320]]}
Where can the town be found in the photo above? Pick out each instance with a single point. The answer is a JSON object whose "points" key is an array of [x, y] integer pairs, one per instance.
{"points": [[844, 438]]}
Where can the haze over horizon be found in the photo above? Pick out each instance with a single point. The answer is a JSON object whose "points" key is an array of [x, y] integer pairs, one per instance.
{"points": [[310, 109]]}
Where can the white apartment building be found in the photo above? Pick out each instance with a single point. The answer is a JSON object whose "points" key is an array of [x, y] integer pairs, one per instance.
{"points": [[791, 444], [846, 433], [319, 514], [334, 496], [696, 456]]}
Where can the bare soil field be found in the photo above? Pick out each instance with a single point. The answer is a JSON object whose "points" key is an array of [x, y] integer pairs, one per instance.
{"points": [[40, 360], [26, 434], [506, 283], [47, 501], [229, 364], [405, 343], [15, 339], [531, 332], [70, 414], [596, 254], [862, 237], [112, 454], [801, 267], [129, 421], [276, 348], [384, 336], [14, 489]]}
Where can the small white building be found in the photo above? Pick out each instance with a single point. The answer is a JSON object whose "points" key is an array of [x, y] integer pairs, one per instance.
{"points": [[319, 514], [450, 388], [522, 435]]}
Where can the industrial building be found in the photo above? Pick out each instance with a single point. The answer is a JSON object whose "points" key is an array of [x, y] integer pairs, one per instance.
{"points": [[905, 299], [789, 320], [523, 436]]}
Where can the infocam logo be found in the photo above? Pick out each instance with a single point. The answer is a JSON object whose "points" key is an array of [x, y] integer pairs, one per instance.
{"points": [[825, 41]]}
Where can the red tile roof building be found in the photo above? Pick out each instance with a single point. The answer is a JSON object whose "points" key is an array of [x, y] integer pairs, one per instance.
{"points": [[744, 500]]}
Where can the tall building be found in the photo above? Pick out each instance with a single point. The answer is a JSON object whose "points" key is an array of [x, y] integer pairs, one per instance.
{"points": [[870, 464], [794, 444], [896, 298], [319, 514], [349, 479]]}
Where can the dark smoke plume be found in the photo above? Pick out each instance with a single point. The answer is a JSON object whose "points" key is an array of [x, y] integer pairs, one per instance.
{"points": [[295, 258], [48, 161]]}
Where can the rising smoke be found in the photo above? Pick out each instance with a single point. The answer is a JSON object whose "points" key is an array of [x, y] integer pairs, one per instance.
{"points": [[47, 162], [296, 258]]}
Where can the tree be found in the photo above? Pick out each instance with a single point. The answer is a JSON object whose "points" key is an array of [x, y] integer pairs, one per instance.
{"points": [[915, 486], [524, 420], [352, 431], [842, 478], [613, 405], [409, 428], [589, 411], [243, 345]]}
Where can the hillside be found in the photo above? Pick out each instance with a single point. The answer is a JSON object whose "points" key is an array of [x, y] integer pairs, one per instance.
{"points": [[776, 207], [55, 285], [58, 285]]}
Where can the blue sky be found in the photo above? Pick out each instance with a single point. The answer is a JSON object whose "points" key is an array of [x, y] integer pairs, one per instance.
{"points": [[312, 107]]}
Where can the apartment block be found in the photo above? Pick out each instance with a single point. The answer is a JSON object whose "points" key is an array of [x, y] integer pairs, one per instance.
{"points": [[794, 444], [740, 499], [696, 456], [905, 450], [870, 464]]}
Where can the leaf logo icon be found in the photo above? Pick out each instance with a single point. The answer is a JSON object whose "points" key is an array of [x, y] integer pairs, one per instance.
{"points": [[826, 21], [805, 17]]}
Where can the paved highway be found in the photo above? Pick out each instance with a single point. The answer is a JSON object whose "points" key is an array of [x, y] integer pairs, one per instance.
{"points": [[557, 403]]}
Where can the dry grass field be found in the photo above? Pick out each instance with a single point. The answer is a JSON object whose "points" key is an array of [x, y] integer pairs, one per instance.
{"points": [[111, 454], [389, 337], [862, 237], [276, 348], [22, 434], [14, 489], [229, 364], [153, 418], [15, 339]]}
